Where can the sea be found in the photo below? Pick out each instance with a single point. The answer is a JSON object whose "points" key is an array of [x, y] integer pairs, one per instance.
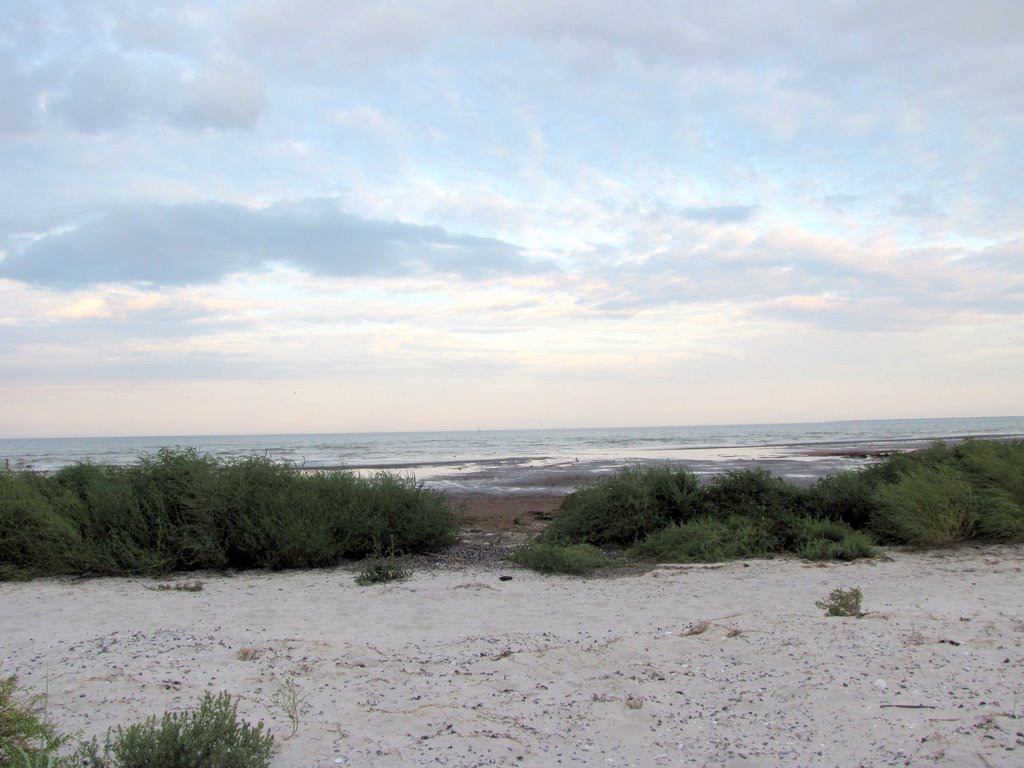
{"points": [[541, 461]]}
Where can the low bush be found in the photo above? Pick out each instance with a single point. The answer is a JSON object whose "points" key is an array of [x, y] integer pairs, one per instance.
{"points": [[394, 515], [934, 497], [995, 471], [575, 559], [625, 507], [707, 540], [848, 497], [34, 536], [754, 493], [842, 602], [179, 510], [210, 737], [818, 539], [927, 507]]}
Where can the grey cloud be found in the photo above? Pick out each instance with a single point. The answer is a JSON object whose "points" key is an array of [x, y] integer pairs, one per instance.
{"points": [[99, 68], [323, 37], [103, 92], [203, 242], [915, 205], [19, 97], [926, 47], [108, 91], [720, 214], [221, 99]]}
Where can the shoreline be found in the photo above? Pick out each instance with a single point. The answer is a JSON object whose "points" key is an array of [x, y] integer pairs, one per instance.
{"points": [[543, 461], [725, 665]]}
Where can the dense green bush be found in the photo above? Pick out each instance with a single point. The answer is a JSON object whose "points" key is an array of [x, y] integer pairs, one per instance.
{"points": [[934, 497], [180, 510], [574, 559], [753, 493], [817, 539], [847, 496], [210, 737], [623, 508], [927, 507], [34, 535], [708, 540]]}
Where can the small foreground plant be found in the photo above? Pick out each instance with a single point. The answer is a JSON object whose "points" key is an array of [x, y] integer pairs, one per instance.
{"points": [[26, 738], [210, 737], [382, 570], [291, 702], [842, 602]]}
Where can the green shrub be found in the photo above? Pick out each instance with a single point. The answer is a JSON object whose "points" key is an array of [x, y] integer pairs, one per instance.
{"points": [[816, 539], [927, 507], [210, 737], [574, 559], [990, 463], [996, 473], [754, 493], [35, 538], [178, 510], [842, 602], [101, 501], [395, 515], [999, 517], [847, 496], [708, 540], [25, 735], [623, 508]]}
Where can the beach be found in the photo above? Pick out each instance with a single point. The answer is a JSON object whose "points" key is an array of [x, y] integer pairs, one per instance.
{"points": [[477, 662]]}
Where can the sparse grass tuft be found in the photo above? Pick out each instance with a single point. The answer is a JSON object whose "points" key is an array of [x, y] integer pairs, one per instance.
{"points": [[291, 702], [381, 571], [189, 586]]}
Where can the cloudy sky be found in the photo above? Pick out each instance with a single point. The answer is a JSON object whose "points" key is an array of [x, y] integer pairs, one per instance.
{"points": [[315, 215]]}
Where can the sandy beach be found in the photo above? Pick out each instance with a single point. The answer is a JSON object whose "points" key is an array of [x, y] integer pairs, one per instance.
{"points": [[487, 664]]}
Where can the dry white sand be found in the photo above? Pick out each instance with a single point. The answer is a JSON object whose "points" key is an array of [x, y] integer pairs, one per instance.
{"points": [[460, 668]]}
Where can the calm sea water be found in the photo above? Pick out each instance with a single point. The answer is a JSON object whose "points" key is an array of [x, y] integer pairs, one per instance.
{"points": [[538, 460]]}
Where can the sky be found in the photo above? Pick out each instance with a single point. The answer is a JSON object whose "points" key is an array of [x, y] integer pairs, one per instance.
{"points": [[324, 216]]}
